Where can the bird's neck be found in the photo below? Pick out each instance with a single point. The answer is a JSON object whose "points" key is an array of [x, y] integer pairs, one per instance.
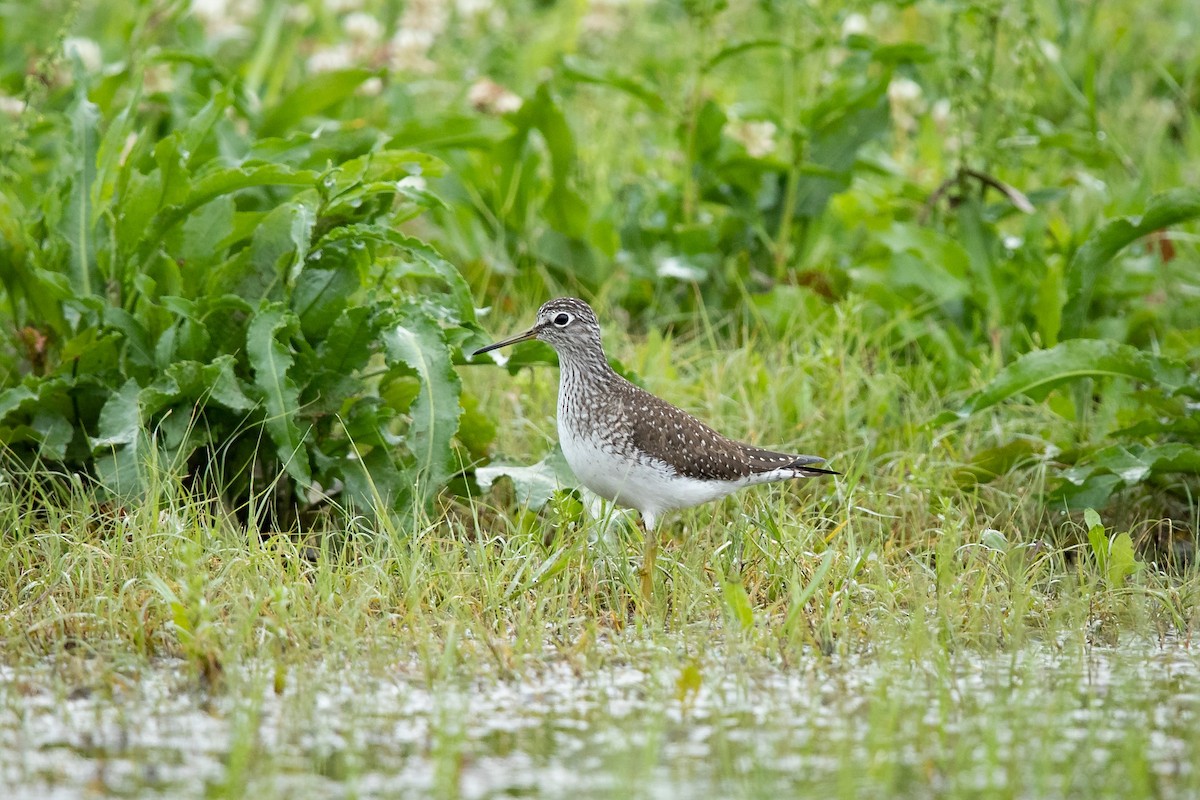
{"points": [[582, 374]]}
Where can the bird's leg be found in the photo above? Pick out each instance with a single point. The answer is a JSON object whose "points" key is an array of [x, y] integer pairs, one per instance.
{"points": [[649, 554]]}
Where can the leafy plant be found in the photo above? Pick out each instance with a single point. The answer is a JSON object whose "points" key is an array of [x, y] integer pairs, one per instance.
{"points": [[197, 288], [1114, 556], [1157, 433]]}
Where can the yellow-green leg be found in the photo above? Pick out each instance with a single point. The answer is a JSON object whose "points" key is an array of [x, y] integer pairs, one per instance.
{"points": [[649, 554]]}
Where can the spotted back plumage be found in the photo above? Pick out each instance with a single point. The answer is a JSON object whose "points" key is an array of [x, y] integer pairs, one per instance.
{"points": [[594, 397]]}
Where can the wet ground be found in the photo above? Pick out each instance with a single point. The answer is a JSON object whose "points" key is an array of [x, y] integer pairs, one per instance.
{"points": [[658, 722]]}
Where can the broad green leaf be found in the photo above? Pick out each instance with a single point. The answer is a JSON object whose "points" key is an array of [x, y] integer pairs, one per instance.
{"points": [[196, 382], [417, 343], [345, 349], [979, 241], [534, 484], [1048, 309], [993, 539], [40, 289], [1094, 491], [1122, 562], [373, 482], [120, 418], [224, 316], [737, 604], [841, 125], [175, 153], [1163, 210], [368, 422], [203, 229], [386, 166], [314, 95], [1097, 539], [476, 427], [223, 384], [264, 269], [927, 260], [988, 464], [269, 349], [320, 296], [212, 184], [136, 206], [585, 71], [119, 471], [114, 150], [55, 432], [16, 398], [423, 262], [564, 208], [349, 341], [314, 149], [138, 349], [705, 138], [746, 46], [79, 220], [1036, 373], [1135, 463]]}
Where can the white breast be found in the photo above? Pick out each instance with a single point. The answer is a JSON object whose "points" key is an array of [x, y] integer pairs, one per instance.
{"points": [[647, 484]]}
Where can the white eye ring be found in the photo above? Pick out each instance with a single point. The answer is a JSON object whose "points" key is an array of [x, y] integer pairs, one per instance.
{"points": [[562, 319]]}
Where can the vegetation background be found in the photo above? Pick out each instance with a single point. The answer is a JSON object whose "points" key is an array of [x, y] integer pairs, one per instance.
{"points": [[245, 245]]}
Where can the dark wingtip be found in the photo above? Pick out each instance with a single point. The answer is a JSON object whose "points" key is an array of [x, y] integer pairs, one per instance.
{"points": [[812, 472], [804, 464]]}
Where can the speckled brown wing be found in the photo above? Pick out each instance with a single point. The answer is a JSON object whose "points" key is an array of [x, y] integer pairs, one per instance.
{"points": [[695, 450]]}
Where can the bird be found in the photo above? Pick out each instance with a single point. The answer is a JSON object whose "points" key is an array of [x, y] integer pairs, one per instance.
{"points": [[633, 448]]}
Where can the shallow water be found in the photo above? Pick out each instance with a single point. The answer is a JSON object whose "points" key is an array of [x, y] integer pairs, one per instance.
{"points": [[1040, 723]]}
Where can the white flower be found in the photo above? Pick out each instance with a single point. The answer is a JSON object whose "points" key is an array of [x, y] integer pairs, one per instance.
{"points": [[904, 95], [940, 113], [473, 8], [210, 10], [678, 268], [429, 16], [488, 97], [904, 90], [855, 24], [11, 106], [330, 59], [342, 6], [408, 50], [603, 17], [371, 87], [86, 50], [757, 136], [301, 16], [362, 27], [219, 20]]}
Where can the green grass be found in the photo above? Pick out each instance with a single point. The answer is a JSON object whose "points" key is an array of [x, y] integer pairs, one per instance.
{"points": [[921, 626], [859, 635]]}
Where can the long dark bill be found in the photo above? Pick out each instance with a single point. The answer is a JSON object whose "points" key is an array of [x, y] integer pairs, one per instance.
{"points": [[520, 337]]}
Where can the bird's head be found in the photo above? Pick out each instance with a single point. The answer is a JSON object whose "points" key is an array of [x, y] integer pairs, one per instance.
{"points": [[566, 323]]}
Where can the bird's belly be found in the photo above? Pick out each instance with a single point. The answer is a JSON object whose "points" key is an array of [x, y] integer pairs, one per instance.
{"points": [[636, 481]]}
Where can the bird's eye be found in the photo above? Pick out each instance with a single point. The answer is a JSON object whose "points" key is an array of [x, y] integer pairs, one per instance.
{"points": [[562, 320]]}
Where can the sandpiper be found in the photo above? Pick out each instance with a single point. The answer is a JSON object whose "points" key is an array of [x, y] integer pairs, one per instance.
{"points": [[633, 448]]}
